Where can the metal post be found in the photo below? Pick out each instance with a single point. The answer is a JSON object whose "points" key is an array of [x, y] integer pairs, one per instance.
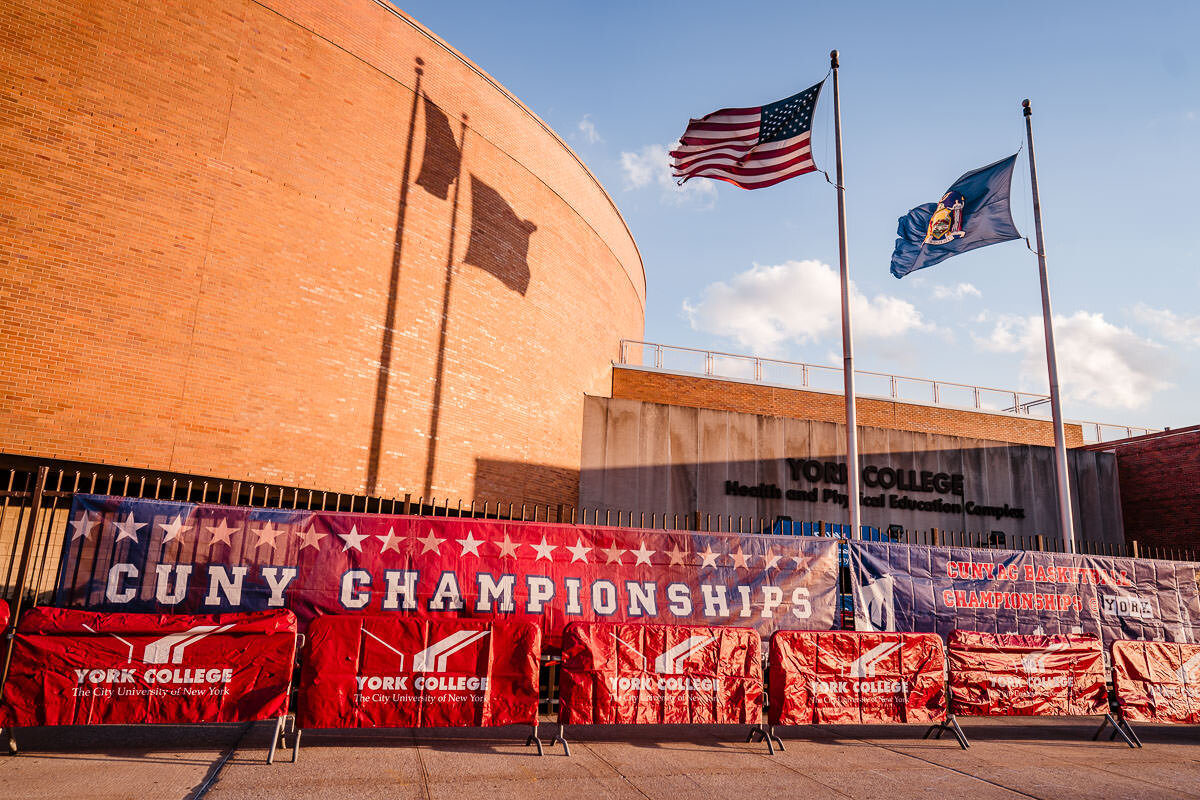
{"points": [[18, 600], [1066, 528], [847, 338]]}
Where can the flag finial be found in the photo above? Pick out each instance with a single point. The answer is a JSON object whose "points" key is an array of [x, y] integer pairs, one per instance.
{"points": [[833, 58], [1028, 110]]}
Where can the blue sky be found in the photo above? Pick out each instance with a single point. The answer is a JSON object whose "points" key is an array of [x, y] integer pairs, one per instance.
{"points": [[928, 92]]}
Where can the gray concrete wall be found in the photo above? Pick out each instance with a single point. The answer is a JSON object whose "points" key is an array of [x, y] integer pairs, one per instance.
{"points": [[645, 457]]}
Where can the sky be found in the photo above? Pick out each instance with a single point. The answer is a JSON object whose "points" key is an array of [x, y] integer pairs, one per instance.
{"points": [[928, 92]]}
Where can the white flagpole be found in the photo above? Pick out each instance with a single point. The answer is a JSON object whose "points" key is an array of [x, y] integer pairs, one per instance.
{"points": [[1060, 441], [847, 338]]}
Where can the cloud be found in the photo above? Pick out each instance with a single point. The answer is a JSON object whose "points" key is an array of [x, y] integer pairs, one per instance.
{"points": [[588, 129], [651, 167], [956, 292], [1098, 362], [1169, 325], [766, 307]]}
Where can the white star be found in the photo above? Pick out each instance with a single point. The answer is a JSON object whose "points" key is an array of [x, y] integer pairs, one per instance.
{"points": [[430, 543], [800, 560], [470, 544], [614, 554], [220, 533], [642, 555], [543, 549], [353, 540], [508, 547], [579, 551], [739, 558], [709, 557], [267, 534], [772, 560], [310, 538], [390, 541], [677, 556], [83, 527], [128, 529], [172, 529]]}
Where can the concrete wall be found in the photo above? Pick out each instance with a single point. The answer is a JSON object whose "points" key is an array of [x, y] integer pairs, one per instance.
{"points": [[201, 239], [674, 459]]}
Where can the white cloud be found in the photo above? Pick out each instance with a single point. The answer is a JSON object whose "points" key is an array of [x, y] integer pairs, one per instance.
{"points": [[956, 292], [1169, 325], [798, 301], [651, 167], [588, 129], [1098, 362]]}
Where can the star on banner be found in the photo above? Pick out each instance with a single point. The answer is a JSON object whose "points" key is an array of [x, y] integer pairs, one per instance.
{"points": [[267, 534], [642, 555], [172, 529], [310, 538], [544, 550], [390, 541], [220, 533], [708, 557], [579, 551], [83, 527], [128, 529], [430, 543], [772, 560], [614, 554], [739, 558], [508, 547], [678, 557], [470, 544], [353, 540]]}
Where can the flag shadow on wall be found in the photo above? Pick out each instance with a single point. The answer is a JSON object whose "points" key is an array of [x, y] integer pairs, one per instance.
{"points": [[499, 241]]}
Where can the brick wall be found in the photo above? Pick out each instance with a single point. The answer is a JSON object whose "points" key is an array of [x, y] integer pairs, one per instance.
{"points": [[753, 398], [198, 218], [1159, 476]]}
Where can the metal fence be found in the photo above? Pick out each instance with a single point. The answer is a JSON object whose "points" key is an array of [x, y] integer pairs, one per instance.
{"points": [[35, 503]]}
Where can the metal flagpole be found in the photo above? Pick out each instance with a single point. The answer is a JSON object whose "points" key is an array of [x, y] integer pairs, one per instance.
{"points": [[1060, 440], [847, 338]]}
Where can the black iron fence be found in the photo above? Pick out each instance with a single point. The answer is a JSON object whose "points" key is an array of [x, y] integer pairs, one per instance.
{"points": [[35, 502]]}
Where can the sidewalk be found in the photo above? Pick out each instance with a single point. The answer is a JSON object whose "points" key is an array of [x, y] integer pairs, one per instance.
{"points": [[1008, 759]]}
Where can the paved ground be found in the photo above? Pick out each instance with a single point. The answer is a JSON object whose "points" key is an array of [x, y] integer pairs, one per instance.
{"points": [[1007, 759]]}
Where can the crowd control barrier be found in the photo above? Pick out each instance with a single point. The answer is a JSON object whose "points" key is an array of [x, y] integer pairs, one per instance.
{"points": [[828, 677], [1155, 682], [630, 674], [87, 668], [998, 675], [4, 615], [386, 671]]}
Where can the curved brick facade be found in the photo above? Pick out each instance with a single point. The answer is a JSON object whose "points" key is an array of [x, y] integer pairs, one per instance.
{"points": [[200, 207]]}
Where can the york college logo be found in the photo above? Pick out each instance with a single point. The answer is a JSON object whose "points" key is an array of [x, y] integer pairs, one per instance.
{"points": [[668, 663], [433, 659], [167, 650], [860, 675]]}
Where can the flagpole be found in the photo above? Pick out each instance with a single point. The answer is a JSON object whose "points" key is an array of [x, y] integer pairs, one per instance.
{"points": [[1060, 441], [847, 338]]}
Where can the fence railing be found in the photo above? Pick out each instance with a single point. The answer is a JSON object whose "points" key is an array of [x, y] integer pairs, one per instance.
{"points": [[802, 375], [35, 505]]}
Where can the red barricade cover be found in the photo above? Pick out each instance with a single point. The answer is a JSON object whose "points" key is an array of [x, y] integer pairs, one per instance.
{"points": [[625, 673], [1157, 681], [4, 614], [853, 678], [87, 668], [996, 675], [386, 671]]}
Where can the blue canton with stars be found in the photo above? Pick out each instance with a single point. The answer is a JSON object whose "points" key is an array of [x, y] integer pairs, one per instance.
{"points": [[789, 117]]}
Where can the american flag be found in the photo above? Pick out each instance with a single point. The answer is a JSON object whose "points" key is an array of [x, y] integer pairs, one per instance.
{"points": [[750, 147]]}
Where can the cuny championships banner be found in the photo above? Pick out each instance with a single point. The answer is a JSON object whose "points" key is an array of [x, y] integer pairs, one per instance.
{"points": [[142, 555], [918, 588]]}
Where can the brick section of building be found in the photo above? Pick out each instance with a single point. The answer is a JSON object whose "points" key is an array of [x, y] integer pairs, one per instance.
{"points": [[755, 398], [199, 207], [1159, 476]]}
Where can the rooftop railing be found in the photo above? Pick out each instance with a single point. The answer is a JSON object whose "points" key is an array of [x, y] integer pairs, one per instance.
{"points": [[820, 377]]}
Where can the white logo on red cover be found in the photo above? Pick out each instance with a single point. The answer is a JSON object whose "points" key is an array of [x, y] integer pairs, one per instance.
{"points": [[1184, 673], [864, 665], [671, 661], [169, 649], [435, 657]]}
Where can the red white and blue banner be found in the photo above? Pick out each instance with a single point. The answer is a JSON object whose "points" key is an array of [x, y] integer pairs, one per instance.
{"points": [[141, 555], [937, 589]]}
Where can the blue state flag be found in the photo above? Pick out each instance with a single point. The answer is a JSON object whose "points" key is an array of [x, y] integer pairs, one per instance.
{"points": [[972, 213]]}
